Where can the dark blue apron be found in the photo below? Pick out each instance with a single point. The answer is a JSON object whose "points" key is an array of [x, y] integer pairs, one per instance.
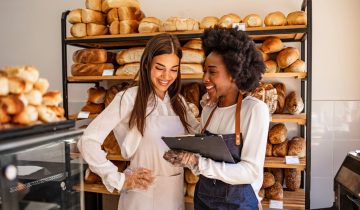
{"points": [[213, 194]]}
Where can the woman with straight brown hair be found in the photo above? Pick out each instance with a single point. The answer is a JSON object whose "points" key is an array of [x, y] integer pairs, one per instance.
{"points": [[139, 117]]}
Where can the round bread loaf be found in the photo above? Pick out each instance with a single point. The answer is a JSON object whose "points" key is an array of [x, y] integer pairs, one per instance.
{"points": [[296, 18], [271, 66], [275, 19], [264, 56], [274, 192], [297, 66], [287, 56], [209, 22], [269, 180], [280, 150], [297, 147], [252, 20], [278, 133], [272, 45], [96, 95], [294, 103], [226, 21]]}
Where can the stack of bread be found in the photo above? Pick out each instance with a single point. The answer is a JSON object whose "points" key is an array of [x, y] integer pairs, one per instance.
{"points": [[96, 100], [129, 60], [24, 99], [92, 62], [191, 93], [179, 24], [192, 58], [189, 183], [279, 19], [268, 94]]}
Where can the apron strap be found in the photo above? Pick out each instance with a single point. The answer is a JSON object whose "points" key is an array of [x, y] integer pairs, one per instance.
{"points": [[237, 120]]}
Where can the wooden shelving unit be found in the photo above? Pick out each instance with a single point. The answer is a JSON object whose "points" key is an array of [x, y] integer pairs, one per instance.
{"points": [[279, 162], [292, 200]]}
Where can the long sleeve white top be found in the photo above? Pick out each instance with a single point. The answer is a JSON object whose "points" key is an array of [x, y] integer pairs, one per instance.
{"points": [[254, 128], [116, 117]]}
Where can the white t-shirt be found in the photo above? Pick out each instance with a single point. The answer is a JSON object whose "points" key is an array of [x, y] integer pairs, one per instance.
{"points": [[254, 123], [116, 117]]}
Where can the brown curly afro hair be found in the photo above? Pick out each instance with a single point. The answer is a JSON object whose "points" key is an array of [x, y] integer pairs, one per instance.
{"points": [[239, 53]]}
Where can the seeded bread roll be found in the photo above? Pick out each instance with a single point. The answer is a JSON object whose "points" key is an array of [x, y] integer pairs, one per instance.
{"points": [[294, 103], [278, 133], [287, 56], [272, 45], [252, 20], [269, 180], [296, 18], [280, 150], [52, 98], [275, 19], [190, 177], [96, 95], [297, 147], [209, 22], [292, 179], [274, 192], [268, 150]]}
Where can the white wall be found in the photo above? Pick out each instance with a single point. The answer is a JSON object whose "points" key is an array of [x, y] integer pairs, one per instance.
{"points": [[31, 35]]}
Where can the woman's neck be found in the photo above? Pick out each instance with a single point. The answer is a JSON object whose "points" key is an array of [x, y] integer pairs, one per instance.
{"points": [[229, 99]]}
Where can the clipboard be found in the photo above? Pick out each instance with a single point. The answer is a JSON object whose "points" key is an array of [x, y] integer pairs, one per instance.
{"points": [[213, 146]]}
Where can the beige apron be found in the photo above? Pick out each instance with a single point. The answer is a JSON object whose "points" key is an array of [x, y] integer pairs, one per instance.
{"points": [[167, 191]]}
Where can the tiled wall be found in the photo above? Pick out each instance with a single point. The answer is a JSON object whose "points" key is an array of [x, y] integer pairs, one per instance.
{"points": [[335, 131]]}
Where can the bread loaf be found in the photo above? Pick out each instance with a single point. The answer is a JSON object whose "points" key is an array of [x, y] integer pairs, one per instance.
{"points": [[271, 66], [252, 20], [292, 179], [192, 56], [294, 103], [275, 19], [287, 56], [114, 27], [42, 85], [92, 16], [131, 55], [113, 90], [149, 25], [278, 174], [297, 147], [109, 4], [194, 109], [46, 114], [274, 192], [93, 29], [11, 104], [191, 68], [4, 117], [96, 95], [74, 16], [281, 90], [4, 86], [34, 97], [17, 85], [169, 25], [90, 177], [191, 93], [268, 180], [278, 133], [90, 56], [272, 44], [112, 16], [130, 13], [110, 145], [297, 66], [78, 30], [226, 21], [80, 69], [52, 98], [268, 150], [195, 44], [93, 108], [296, 18], [129, 26], [93, 4], [264, 56], [27, 117], [280, 150], [58, 110], [209, 22], [190, 190], [190, 177], [266, 93], [130, 69]]}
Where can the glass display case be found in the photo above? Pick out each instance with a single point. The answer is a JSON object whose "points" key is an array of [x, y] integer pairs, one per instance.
{"points": [[37, 172]]}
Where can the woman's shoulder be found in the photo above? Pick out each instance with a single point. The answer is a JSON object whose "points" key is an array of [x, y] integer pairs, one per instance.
{"points": [[128, 94], [252, 103]]}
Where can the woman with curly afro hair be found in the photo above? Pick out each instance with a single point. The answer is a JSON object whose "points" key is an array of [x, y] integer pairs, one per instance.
{"points": [[232, 68]]}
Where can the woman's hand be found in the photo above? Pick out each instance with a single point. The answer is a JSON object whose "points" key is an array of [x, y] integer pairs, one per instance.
{"points": [[182, 158], [139, 178]]}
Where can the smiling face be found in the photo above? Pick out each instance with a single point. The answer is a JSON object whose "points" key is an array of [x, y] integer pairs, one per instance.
{"points": [[164, 71], [217, 79]]}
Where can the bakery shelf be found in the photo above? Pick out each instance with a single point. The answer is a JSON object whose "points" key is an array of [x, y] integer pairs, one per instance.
{"points": [[95, 188], [287, 33], [292, 200], [76, 155], [74, 116], [279, 162], [289, 118], [296, 75]]}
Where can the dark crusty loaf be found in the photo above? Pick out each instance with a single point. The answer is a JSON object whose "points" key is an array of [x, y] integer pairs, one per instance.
{"points": [[278, 133]]}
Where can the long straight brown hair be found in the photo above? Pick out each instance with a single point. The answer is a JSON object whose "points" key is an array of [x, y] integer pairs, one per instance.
{"points": [[158, 45]]}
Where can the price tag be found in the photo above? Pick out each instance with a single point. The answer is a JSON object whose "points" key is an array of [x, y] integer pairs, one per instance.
{"points": [[239, 26], [274, 204], [83, 115], [108, 72], [292, 160]]}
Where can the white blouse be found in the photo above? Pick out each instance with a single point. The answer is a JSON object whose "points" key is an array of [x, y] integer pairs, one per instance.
{"points": [[254, 128], [116, 117]]}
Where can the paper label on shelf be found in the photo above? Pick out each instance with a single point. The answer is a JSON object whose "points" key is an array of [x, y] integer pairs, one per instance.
{"points": [[83, 115], [274, 204], [108, 72], [292, 160], [239, 26]]}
